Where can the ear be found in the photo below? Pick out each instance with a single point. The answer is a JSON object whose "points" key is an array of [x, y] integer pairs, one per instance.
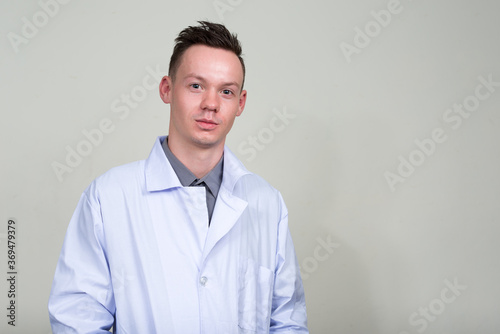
{"points": [[241, 102], [166, 89]]}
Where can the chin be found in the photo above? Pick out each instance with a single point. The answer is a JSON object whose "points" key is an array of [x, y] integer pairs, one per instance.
{"points": [[206, 142]]}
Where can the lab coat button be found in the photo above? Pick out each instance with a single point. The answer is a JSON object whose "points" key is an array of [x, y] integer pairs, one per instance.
{"points": [[203, 280]]}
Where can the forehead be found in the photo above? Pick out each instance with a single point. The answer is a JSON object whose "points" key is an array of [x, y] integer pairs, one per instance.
{"points": [[212, 63]]}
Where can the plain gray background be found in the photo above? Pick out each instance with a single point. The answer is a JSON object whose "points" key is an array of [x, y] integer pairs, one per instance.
{"points": [[392, 191]]}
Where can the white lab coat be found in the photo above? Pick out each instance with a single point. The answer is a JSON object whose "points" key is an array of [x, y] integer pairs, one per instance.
{"points": [[139, 256]]}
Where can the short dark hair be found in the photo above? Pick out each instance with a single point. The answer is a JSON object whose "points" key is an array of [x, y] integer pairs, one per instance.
{"points": [[207, 33]]}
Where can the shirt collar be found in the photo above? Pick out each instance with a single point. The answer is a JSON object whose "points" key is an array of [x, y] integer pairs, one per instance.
{"points": [[159, 174], [212, 179]]}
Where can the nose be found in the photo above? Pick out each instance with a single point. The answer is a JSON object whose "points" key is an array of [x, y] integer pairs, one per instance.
{"points": [[210, 101]]}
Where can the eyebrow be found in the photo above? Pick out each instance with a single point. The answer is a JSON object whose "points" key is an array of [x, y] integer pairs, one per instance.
{"points": [[200, 78]]}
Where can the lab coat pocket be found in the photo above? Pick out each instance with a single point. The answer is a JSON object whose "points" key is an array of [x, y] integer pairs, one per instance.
{"points": [[254, 297]]}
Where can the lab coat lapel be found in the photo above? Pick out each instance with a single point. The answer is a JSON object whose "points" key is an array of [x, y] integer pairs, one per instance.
{"points": [[228, 207]]}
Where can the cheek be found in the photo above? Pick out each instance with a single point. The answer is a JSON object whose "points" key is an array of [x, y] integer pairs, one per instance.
{"points": [[184, 106], [228, 122]]}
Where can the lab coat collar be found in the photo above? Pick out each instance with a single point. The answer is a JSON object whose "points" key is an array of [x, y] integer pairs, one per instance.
{"points": [[161, 176], [159, 173], [228, 208], [233, 170]]}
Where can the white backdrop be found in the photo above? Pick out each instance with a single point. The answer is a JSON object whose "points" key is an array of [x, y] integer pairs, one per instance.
{"points": [[377, 120]]}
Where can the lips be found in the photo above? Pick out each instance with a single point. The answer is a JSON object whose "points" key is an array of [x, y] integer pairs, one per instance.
{"points": [[206, 124]]}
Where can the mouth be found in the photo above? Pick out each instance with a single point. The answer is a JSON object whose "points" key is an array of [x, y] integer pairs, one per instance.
{"points": [[206, 124]]}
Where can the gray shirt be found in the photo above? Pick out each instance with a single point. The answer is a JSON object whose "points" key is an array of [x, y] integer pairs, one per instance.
{"points": [[210, 181]]}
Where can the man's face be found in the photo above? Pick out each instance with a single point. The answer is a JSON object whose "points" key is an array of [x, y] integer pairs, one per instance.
{"points": [[205, 97]]}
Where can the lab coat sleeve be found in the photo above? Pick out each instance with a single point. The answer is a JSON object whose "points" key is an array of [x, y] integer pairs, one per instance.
{"points": [[81, 300], [288, 313]]}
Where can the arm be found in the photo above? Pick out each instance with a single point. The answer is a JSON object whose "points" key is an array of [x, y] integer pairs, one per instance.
{"points": [[81, 300], [288, 313]]}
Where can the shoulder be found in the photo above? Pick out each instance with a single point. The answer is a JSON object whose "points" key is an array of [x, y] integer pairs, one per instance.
{"points": [[245, 184], [241, 181], [254, 183], [257, 191], [118, 179]]}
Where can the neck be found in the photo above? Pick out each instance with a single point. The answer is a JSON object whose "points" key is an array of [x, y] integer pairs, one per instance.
{"points": [[199, 160]]}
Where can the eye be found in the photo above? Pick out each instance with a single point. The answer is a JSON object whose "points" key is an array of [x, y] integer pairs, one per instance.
{"points": [[227, 92], [195, 86]]}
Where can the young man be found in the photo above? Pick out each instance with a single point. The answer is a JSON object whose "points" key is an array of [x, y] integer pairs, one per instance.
{"points": [[187, 241]]}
